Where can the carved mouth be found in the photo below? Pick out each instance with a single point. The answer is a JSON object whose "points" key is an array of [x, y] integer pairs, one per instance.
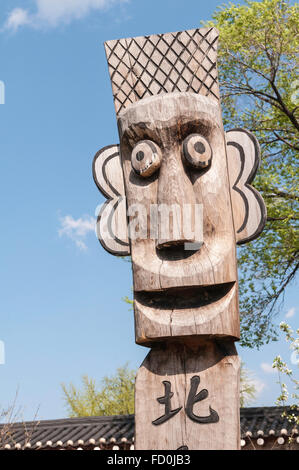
{"points": [[184, 297]]}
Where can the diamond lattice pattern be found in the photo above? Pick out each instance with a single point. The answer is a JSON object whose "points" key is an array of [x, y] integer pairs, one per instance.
{"points": [[164, 63]]}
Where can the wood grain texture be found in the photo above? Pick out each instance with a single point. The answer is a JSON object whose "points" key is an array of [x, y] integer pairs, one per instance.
{"points": [[204, 408], [163, 265], [111, 227], [249, 209], [164, 63], [178, 199]]}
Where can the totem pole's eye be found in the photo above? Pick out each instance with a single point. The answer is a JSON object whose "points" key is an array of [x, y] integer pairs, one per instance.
{"points": [[197, 151], [146, 158]]}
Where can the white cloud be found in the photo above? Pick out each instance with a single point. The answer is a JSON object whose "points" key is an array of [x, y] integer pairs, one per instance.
{"points": [[17, 17], [77, 229], [51, 13], [267, 368], [291, 312], [81, 245], [249, 379], [259, 385]]}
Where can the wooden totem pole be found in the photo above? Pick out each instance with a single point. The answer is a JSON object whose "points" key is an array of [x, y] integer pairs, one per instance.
{"points": [[178, 200]]}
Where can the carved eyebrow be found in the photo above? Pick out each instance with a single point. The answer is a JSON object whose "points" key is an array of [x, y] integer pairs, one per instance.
{"points": [[140, 131], [180, 126], [204, 127]]}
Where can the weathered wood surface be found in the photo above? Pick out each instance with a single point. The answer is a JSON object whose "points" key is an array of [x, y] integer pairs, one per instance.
{"points": [[178, 291], [163, 63], [197, 389], [249, 209], [179, 199], [111, 227], [202, 281]]}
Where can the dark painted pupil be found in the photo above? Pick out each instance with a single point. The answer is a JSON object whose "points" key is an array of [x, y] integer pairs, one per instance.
{"points": [[199, 147], [139, 156]]}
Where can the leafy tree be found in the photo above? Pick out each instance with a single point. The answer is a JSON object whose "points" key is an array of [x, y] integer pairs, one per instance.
{"points": [[257, 60], [247, 386], [115, 396], [292, 414]]}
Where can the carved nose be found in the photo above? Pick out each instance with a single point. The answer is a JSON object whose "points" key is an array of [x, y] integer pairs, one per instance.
{"points": [[176, 203]]}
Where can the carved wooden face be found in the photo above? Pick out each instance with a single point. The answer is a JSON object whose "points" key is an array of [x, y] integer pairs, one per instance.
{"points": [[174, 158]]}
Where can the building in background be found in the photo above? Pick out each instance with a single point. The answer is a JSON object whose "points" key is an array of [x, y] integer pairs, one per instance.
{"points": [[261, 429]]}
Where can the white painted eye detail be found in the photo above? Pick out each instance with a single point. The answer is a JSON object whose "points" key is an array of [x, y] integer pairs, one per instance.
{"points": [[146, 158], [197, 151]]}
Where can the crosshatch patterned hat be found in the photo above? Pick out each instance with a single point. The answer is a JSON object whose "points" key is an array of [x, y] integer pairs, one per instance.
{"points": [[164, 63]]}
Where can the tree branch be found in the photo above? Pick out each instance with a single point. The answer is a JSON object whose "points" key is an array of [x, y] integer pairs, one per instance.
{"points": [[282, 194]]}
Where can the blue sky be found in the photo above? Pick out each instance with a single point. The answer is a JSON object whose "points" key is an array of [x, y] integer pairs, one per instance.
{"points": [[61, 308]]}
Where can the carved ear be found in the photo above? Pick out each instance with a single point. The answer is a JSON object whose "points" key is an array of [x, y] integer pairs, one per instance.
{"points": [[112, 228], [249, 210]]}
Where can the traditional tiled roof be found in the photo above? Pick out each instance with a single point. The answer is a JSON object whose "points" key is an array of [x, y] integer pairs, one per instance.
{"points": [[260, 428], [268, 426], [266, 420], [95, 431]]}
